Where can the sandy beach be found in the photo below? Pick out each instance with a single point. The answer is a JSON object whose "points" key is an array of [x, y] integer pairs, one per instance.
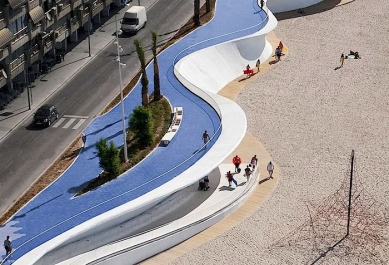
{"points": [[309, 117]]}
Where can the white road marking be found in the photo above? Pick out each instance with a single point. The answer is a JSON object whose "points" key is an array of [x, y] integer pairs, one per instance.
{"points": [[79, 124], [58, 123], [68, 123], [76, 117], [9, 164]]}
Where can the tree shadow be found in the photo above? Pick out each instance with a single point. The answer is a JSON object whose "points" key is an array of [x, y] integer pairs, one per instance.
{"points": [[105, 127], [75, 189], [35, 208]]}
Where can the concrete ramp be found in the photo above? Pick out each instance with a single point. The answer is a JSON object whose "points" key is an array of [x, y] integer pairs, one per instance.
{"points": [[212, 68]]}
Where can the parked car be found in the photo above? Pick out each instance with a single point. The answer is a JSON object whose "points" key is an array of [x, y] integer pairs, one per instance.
{"points": [[46, 115]]}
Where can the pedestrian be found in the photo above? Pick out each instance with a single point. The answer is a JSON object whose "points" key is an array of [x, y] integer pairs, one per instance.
{"points": [[281, 46], [206, 138], [230, 178], [237, 161], [254, 161], [206, 182], [247, 171], [7, 246], [341, 60], [257, 64], [262, 3], [278, 54], [248, 70], [270, 168]]}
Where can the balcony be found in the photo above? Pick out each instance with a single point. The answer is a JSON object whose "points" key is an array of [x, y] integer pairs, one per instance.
{"points": [[74, 24], [61, 33], [34, 30], [32, 4], [84, 15], [49, 19], [14, 14], [47, 45], [21, 38], [3, 53], [75, 3], [2, 20], [33, 54], [63, 9], [97, 7], [107, 3], [17, 66], [14, 4], [3, 80]]}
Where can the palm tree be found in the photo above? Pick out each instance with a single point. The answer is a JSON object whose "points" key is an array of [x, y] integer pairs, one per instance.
{"points": [[196, 17], [157, 87], [144, 80], [208, 5]]}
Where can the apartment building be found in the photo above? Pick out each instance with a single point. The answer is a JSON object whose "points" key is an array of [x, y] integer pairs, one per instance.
{"points": [[34, 34]]}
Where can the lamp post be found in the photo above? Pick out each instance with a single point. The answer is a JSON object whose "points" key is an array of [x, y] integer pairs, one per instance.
{"points": [[138, 2], [89, 26], [119, 50]]}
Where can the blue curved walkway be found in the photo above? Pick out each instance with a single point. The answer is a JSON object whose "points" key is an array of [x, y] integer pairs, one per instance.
{"points": [[54, 211]]}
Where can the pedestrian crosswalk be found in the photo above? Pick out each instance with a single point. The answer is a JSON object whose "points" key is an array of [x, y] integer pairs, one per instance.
{"points": [[70, 122]]}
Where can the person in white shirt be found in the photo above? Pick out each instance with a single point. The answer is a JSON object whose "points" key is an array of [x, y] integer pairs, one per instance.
{"points": [[270, 168]]}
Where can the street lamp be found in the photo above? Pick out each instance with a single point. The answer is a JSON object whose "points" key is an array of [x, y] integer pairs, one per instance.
{"points": [[119, 50]]}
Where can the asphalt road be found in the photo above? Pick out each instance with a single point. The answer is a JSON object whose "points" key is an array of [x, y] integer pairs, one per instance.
{"points": [[27, 152]]}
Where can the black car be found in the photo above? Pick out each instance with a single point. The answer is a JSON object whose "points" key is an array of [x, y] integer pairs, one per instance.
{"points": [[46, 115]]}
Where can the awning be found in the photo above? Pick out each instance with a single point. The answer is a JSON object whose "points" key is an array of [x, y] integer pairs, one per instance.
{"points": [[37, 14], [6, 36], [15, 3]]}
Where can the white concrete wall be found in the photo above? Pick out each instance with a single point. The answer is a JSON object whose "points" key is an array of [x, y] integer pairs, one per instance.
{"points": [[277, 6], [213, 68]]}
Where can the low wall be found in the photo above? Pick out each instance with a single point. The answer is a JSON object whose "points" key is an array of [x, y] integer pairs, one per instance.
{"points": [[214, 67], [277, 6]]}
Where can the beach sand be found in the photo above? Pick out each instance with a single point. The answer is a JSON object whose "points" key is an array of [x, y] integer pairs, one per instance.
{"points": [[309, 117]]}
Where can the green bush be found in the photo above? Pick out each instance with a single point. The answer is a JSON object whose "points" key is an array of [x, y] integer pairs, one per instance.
{"points": [[141, 124], [109, 157]]}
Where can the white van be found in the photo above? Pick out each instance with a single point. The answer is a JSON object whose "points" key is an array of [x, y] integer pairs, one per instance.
{"points": [[134, 19]]}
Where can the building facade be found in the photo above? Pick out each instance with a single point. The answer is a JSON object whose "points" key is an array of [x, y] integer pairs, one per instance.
{"points": [[34, 35]]}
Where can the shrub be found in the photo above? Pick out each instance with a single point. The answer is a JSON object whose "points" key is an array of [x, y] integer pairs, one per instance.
{"points": [[109, 157], [141, 124]]}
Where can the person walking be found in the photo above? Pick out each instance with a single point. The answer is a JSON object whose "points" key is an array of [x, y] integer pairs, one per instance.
{"points": [[247, 173], [230, 178], [262, 3], [270, 168], [205, 138], [278, 54], [237, 161], [248, 70], [258, 64], [7, 246], [341, 60], [254, 161]]}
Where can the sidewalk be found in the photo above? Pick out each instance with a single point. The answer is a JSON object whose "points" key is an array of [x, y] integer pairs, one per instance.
{"points": [[76, 58]]}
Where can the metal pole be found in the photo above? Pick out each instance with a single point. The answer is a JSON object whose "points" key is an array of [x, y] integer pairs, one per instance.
{"points": [[138, 2], [121, 92], [28, 87], [349, 195], [89, 26]]}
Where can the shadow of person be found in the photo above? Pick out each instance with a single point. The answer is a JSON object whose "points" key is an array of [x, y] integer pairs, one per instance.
{"points": [[338, 67], [273, 62]]}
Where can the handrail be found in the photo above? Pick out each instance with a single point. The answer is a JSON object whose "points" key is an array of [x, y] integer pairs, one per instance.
{"points": [[157, 177], [255, 175]]}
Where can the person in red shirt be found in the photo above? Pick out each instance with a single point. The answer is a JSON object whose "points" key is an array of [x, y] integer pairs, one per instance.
{"points": [[230, 177], [237, 161]]}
